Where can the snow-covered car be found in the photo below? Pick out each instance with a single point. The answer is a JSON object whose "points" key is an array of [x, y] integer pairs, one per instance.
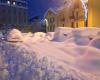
{"points": [[14, 36]]}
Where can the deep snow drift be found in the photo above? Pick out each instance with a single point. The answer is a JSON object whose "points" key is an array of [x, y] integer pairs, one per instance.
{"points": [[69, 54]]}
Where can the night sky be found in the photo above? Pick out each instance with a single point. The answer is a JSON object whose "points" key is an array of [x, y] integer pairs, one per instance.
{"points": [[38, 7]]}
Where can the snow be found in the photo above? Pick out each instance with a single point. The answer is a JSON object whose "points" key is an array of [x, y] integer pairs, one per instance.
{"points": [[62, 33], [66, 54], [95, 42], [80, 36], [14, 36], [50, 35]]}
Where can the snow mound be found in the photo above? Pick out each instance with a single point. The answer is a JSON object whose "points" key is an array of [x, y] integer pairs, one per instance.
{"points": [[76, 57], [50, 35], [38, 37], [20, 62], [39, 34], [61, 33], [80, 36], [27, 36], [90, 61], [95, 42], [14, 36]]}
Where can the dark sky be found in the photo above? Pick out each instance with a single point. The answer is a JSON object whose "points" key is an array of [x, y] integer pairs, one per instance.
{"points": [[38, 7]]}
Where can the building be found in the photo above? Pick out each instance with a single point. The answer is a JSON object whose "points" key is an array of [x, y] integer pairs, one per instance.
{"points": [[51, 17], [93, 13], [77, 15], [35, 24], [66, 16], [13, 13]]}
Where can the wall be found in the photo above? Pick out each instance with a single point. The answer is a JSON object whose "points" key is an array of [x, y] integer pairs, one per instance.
{"points": [[93, 14], [52, 21]]}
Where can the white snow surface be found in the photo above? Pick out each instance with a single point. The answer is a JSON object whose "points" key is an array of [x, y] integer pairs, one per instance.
{"points": [[73, 54], [14, 35]]}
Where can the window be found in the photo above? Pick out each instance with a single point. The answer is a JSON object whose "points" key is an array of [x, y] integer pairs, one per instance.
{"points": [[72, 24], [14, 3], [8, 2], [77, 24]]}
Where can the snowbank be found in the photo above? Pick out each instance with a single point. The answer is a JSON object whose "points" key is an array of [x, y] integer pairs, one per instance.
{"points": [[95, 43], [20, 62], [14, 36], [39, 34], [61, 33], [75, 57], [80, 36], [90, 61], [50, 35]]}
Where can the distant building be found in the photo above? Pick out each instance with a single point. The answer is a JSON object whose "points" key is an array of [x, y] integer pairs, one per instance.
{"points": [[66, 16], [51, 17], [35, 24], [13, 13]]}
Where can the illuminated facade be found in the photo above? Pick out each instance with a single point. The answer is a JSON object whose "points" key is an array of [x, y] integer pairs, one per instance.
{"points": [[51, 17], [13, 13], [77, 15], [94, 13], [66, 17]]}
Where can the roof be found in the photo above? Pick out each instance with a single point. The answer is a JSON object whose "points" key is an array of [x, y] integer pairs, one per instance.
{"points": [[67, 5], [50, 9]]}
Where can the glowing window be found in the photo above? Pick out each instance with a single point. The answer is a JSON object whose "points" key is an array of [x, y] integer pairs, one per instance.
{"points": [[14, 3], [8, 2]]}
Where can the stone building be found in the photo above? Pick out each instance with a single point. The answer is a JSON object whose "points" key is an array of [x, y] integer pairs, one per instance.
{"points": [[13, 13], [66, 16]]}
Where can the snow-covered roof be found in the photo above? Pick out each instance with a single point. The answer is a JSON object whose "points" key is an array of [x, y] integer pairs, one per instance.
{"points": [[68, 5], [52, 10]]}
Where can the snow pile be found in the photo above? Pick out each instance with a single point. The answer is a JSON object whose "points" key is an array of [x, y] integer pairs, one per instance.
{"points": [[75, 57], [80, 36], [61, 33], [27, 36], [90, 61], [39, 34], [14, 36], [50, 35], [20, 62], [86, 58], [95, 43]]}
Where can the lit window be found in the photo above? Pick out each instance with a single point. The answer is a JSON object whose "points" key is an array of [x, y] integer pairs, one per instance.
{"points": [[14, 3], [8, 2]]}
